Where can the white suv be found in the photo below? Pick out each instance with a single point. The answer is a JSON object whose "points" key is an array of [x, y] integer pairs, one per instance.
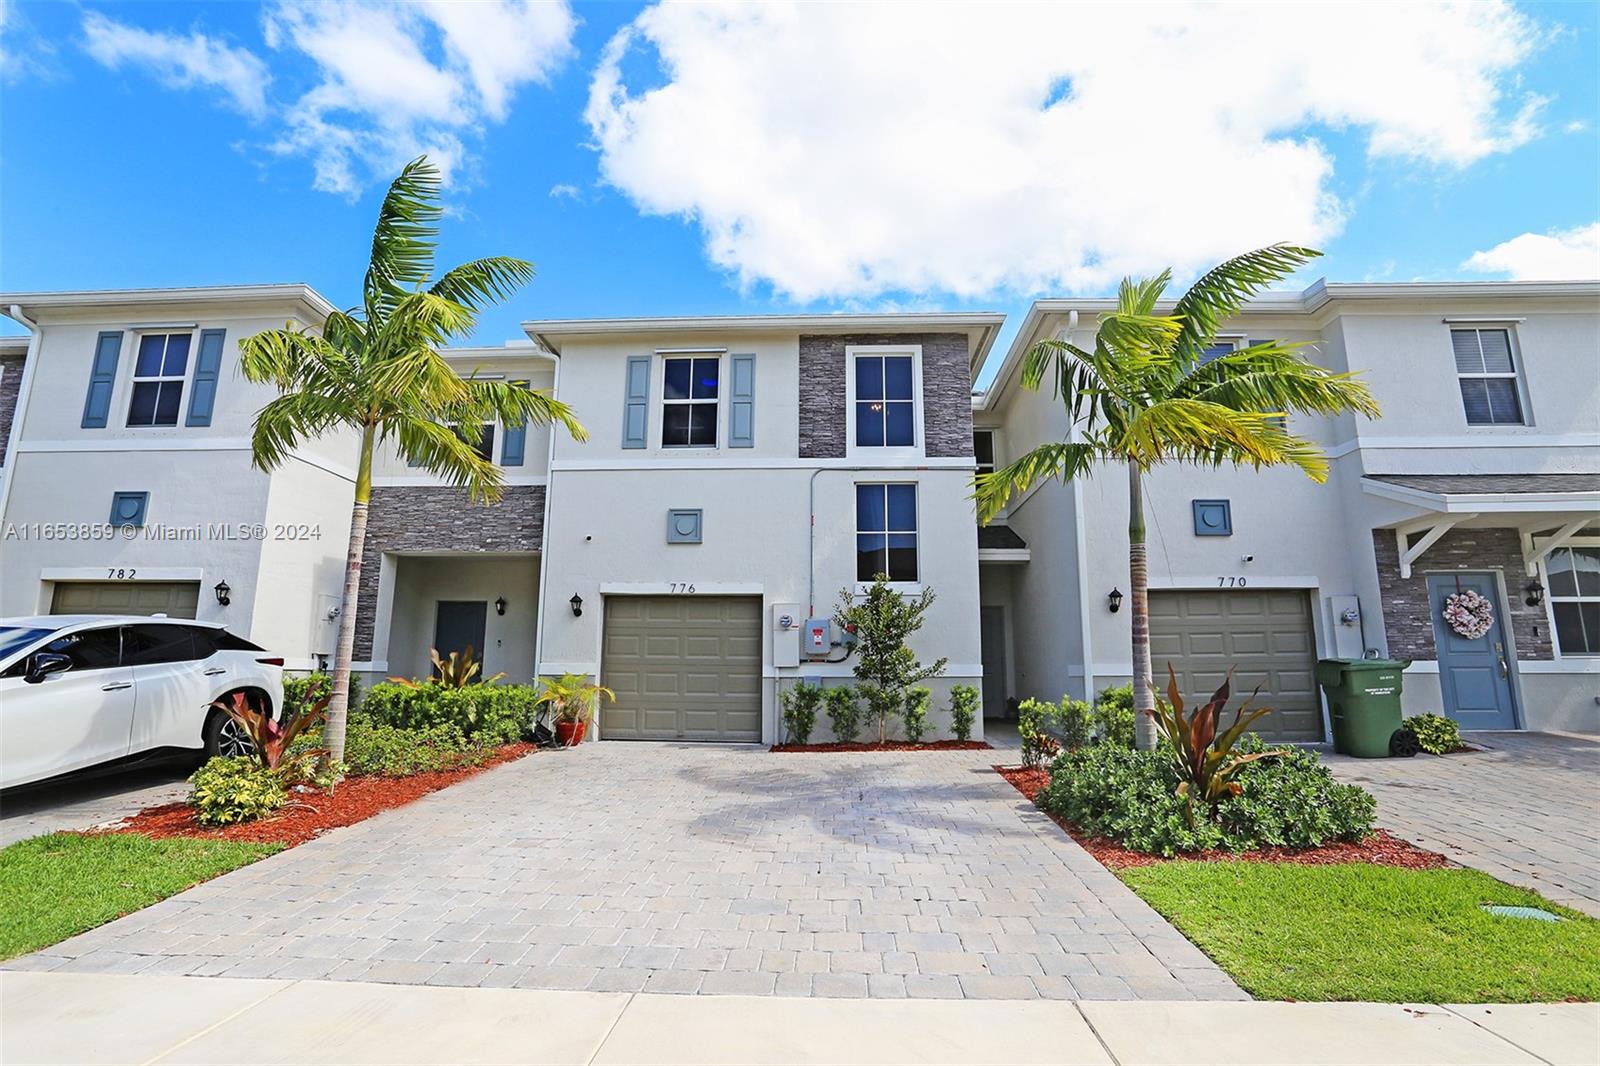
{"points": [[80, 691]]}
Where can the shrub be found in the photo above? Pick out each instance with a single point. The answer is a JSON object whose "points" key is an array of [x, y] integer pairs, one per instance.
{"points": [[963, 710], [843, 712], [271, 742], [495, 714], [1033, 719], [1112, 717], [302, 692], [1207, 757], [882, 705], [1436, 734], [883, 620], [1132, 797], [918, 700], [800, 702], [388, 751], [1071, 722], [233, 789]]}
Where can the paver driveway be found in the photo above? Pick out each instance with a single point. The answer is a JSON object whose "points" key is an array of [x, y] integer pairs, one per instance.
{"points": [[679, 868], [1525, 809]]}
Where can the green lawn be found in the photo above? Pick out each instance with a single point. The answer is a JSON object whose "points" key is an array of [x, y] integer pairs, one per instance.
{"points": [[1361, 932], [56, 886]]}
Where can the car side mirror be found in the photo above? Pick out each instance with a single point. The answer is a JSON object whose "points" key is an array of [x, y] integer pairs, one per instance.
{"points": [[45, 663]]}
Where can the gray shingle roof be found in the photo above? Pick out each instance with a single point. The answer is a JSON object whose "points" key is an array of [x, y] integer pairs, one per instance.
{"points": [[999, 537], [1496, 484]]}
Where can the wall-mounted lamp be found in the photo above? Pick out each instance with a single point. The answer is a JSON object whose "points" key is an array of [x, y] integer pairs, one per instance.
{"points": [[500, 605], [1114, 600], [222, 590], [1535, 593], [577, 605]]}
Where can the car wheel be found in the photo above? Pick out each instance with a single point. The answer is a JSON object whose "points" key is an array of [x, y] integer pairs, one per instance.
{"points": [[223, 736]]}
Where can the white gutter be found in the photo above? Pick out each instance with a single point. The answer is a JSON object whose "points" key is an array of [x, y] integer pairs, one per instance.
{"points": [[29, 363], [544, 538]]}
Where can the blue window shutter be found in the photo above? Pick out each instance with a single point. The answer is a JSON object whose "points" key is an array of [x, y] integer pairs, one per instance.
{"points": [[207, 366], [514, 442], [636, 403], [102, 379], [742, 412]]}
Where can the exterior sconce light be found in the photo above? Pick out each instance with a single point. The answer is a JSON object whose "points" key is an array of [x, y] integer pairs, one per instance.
{"points": [[1114, 600], [500, 605], [1535, 593], [222, 590], [577, 605]]}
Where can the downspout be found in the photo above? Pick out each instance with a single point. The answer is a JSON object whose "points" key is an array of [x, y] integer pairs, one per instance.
{"points": [[544, 533], [29, 363]]}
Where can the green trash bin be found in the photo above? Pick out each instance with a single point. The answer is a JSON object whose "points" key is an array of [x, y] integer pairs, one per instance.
{"points": [[1363, 702]]}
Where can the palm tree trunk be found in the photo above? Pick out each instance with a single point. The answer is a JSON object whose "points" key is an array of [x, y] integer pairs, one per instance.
{"points": [[344, 651], [1139, 597]]}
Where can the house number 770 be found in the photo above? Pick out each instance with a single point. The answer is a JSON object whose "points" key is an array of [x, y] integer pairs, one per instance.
{"points": [[680, 586], [1230, 583]]}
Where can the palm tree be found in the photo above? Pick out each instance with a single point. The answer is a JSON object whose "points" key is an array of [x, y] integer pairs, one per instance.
{"points": [[1148, 394], [376, 370]]}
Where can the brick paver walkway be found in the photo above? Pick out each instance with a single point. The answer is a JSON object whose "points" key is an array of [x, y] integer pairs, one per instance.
{"points": [[691, 869], [1526, 809]]}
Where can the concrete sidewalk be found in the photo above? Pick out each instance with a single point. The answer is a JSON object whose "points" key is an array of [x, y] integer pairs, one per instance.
{"points": [[104, 1018]]}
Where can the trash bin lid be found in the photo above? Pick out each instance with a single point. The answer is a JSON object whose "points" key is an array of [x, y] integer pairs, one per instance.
{"points": [[1366, 664]]}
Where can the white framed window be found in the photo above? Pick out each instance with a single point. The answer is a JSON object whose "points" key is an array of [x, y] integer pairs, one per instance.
{"points": [[483, 443], [1220, 346], [983, 450], [886, 532], [1486, 370], [884, 398], [1572, 586], [160, 367], [690, 400]]}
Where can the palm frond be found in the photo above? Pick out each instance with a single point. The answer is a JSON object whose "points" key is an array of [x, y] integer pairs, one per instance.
{"points": [[483, 281], [1274, 378], [1063, 461], [1224, 289], [1183, 430], [294, 417], [442, 450], [404, 237], [515, 405]]}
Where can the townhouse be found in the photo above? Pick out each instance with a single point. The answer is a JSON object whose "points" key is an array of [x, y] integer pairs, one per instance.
{"points": [[742, 471]]}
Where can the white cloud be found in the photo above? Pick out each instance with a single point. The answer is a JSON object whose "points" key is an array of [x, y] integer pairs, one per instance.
{"points": [[395, 80], [181, 61], [1557, 255], [563, 192], [837, 150]]}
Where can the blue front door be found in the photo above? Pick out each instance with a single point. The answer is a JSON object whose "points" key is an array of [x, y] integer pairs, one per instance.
{"points": [[1474, 674]]}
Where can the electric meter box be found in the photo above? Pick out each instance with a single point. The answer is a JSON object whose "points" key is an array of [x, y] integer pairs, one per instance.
{"points": [[786, 626], [817, 638]]}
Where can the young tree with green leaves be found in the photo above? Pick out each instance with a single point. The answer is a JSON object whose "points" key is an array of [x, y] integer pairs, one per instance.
{"points": [[376, 370], [883, 620], [1147, 394]]}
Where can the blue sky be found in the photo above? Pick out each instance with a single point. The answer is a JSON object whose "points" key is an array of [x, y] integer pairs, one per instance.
{"points": [[703, 160]]}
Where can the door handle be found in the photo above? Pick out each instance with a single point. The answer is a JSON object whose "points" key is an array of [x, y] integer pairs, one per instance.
{"points": [[215, 670], [115, 686], [1500, 656]]}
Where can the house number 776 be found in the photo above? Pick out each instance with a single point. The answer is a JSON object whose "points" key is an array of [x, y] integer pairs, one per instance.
{"points": [[680, 586]]}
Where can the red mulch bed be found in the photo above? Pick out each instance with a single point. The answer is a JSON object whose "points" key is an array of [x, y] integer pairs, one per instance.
{"points": [[1380, 848], [889, 745], [308, 814]]}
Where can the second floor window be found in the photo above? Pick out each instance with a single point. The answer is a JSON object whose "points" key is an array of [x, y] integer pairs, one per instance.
{"points": [[689, 402], [158, 375], [482, 442], [886, 532], [885, 414], [983, 449], [1488, 377]]}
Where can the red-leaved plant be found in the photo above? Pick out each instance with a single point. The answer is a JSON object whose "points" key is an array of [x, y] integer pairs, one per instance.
{"points": [[270, 739], [1205, 759]]}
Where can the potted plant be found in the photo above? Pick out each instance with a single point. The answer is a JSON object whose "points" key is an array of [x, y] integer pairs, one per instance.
{"points": [[573, 698]]}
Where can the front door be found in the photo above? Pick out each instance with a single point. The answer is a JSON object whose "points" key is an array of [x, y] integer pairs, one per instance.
{"points": [[1475, 673], [992, 648], [459, 625]]}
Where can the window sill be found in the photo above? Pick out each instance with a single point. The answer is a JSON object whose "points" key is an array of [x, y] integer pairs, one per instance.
{"points": [[904, 588]]}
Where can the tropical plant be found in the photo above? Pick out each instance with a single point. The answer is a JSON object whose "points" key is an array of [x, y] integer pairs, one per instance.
{"points": [[1033, 725], [1436, 734], [271, 740], [300, 692], [1152, 390], [844, 713], [233, 789], [915, 712], [1205, 758], [963, 710], [883, 620], [573, 697], [456, 671], [376, 371], [800, 702]]}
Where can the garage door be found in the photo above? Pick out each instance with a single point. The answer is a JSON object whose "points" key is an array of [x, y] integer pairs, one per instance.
{"points": [[1264, 635], [175, 599], [683, 668]]}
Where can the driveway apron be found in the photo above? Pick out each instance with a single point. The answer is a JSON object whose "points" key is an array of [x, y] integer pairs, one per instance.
{"points": [[690, 869]]}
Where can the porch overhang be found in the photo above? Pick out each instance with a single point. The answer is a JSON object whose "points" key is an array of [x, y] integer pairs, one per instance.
{"points": [[1001, 544]]}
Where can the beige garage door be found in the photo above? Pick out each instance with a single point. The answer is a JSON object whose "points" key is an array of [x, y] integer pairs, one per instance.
{"points": [[1264, 635], [683, 668], [175, 599]]}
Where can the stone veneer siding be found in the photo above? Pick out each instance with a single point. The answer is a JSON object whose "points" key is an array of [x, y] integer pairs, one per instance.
{"points": [[946, 392], [1407, 615], [11, 364], [440, 518]]}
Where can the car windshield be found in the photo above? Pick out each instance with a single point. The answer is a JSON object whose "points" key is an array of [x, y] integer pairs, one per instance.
{"points": [[14, 638]]}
